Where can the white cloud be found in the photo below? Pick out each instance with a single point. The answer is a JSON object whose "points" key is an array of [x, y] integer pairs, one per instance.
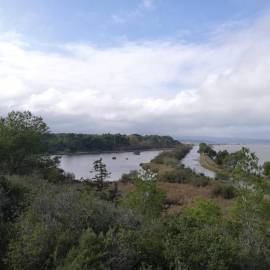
{"points": [[221, 88], [148, 4]]}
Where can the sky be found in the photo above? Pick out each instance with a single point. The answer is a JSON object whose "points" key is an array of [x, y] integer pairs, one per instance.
{"points": [[174, 67]]}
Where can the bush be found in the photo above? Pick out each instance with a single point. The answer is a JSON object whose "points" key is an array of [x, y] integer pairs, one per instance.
{"points": [[225, 191], [147, 199], [221, 156], [54, 222], [129, 177], [21, 144], [200, 181], [159, 159], [207, 149], [172, 157], [90, 253], [198, 239], [170, 161], [222, 176], [173, 176], [266, 168], [12, 202]]}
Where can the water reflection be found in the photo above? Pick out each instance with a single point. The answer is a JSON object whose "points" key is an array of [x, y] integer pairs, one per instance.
{"points": [[192, 160], [117, 163]]}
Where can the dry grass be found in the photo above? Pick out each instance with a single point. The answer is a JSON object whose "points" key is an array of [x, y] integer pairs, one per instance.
{"points": [[179, 196], [125, 188], [159, 168], [186, 194], [211, 165]]}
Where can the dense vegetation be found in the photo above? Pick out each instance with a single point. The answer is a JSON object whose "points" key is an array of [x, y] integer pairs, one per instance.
{"points": [[48, 221], [169, 169], [70, 143]]}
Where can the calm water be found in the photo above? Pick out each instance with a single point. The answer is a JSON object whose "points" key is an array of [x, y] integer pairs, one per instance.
{"points": [[192, 159], [262, 151], [125, 162]]}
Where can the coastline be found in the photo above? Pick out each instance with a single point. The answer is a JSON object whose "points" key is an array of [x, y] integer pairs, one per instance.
{"points": [[210, 165], [110, 151]]}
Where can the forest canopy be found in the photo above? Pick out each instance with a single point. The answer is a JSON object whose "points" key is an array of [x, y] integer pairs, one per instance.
{"points": [[70, 142]]}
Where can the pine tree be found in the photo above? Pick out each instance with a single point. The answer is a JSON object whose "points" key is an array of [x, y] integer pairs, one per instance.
{"points": [[101, 174]]}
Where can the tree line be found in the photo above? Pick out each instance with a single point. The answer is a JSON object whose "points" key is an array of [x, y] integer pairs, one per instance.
{"points": [[71, 143]]}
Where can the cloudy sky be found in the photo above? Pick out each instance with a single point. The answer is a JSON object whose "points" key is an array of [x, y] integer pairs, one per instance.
{"points": [[177, 67]]}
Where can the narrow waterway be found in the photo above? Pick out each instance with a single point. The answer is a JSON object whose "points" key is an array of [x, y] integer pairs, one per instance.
{"points": [[192, 160]]}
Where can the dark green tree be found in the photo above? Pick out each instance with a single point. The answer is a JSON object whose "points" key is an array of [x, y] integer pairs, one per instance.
{"points": [[21, 141], [221, 156], [266, 168], [101, 174], [89, 255], [247, 169], [147, 198], [251, 212], [207, 149]]}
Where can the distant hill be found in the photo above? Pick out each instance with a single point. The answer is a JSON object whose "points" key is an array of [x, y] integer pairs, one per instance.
{"points": [[72, 143]]}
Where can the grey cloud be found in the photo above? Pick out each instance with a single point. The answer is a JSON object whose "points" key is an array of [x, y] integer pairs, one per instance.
{"points": [[219, 88]]}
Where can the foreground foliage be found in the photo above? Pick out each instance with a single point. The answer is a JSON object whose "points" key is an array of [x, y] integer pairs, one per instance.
{"points": [[69, 227]]}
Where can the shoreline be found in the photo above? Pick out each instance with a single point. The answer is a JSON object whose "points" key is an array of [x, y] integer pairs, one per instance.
{"points": [[210, 165], [110, 151]]}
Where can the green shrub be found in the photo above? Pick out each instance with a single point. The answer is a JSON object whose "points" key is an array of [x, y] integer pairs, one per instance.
{"points": [[198, 239], [172, 157], [12, 202], [54, 223], [207, 149], [225, 191], [173, 176], [129, 177], [169, 161], [90, 254], [222, 176], [200, 181], [147, 199], [266, 168]]}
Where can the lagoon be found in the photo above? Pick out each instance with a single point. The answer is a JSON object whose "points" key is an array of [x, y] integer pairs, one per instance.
{"points": [[117, 163]]}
